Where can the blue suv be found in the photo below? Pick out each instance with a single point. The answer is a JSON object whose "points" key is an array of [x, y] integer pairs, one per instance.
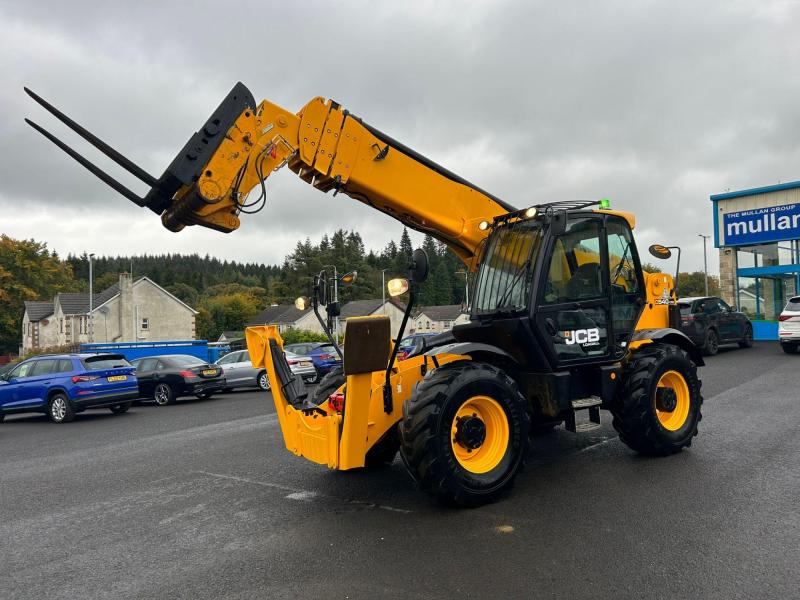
{"points": [[65, 384]]}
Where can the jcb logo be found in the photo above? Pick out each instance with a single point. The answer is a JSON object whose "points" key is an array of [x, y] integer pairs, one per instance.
{"points": [[582, 336]]}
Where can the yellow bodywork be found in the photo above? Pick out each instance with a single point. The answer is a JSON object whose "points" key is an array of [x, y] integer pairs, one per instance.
{"points": [[340, 442]]}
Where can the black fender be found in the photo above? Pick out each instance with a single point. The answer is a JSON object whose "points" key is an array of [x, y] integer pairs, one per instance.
{"points": [[671, 336], [478, 351]]}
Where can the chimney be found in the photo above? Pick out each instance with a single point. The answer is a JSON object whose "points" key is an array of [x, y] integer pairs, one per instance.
{"points": [[126, 325]]}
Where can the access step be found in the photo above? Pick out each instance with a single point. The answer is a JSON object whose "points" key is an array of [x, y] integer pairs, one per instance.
{"points": [[591, 404]]}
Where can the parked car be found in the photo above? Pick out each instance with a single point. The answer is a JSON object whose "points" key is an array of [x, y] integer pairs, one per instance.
{"points": [[62, 385], [411, 343], [302, 348], [240, 372], [166, 378], [789, 326], [709, 322], [324, 358]]}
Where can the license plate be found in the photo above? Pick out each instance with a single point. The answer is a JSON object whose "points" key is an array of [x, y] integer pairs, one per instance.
{"points": [[337, 359], [305, 364], [118, 378], [209, 372]]}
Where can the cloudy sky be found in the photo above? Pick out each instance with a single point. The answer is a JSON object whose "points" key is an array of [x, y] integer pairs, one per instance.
{"points": [[655, 105]]}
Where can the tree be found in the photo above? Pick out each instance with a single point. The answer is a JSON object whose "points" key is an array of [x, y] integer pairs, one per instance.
{"points": [[693, 284], [28, 271], [184, 293]]}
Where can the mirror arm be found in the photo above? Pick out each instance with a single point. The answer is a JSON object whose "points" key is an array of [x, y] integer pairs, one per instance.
{"points": [[325, 326], [387, 384]]}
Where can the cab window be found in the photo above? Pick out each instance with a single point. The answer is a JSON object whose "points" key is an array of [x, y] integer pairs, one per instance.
{"points": [[22, 370], [575, 271]]}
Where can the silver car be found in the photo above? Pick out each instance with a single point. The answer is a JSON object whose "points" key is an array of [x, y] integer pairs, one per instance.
{"points": [[240, 372]]}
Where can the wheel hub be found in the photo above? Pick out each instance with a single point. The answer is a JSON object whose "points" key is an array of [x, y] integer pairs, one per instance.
{"points": [[470, 432], [666, 399]]}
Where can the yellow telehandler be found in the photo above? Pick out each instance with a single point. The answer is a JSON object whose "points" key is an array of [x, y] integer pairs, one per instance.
{"points": [[563, 320]]}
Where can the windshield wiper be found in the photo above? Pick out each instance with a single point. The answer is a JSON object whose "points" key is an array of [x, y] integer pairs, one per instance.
{"points": [[521, 270]]}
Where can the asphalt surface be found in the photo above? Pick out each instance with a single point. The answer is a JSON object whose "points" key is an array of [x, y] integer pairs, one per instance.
{"points": [[201, 500]]}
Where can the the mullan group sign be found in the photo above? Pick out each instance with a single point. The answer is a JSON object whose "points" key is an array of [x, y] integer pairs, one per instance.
{"points": [[760, 225]]}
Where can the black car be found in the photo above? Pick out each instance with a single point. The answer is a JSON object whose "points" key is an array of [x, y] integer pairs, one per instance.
{"points": [[709, 321], [165, 378]]}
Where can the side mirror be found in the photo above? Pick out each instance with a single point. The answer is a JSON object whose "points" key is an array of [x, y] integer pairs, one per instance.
{"points": [[349, 278], [557, 221], [660, 251], [418, 269]]}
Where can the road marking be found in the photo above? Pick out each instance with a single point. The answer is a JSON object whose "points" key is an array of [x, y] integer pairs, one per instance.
{"points": [[598, 444], [301, 494]]}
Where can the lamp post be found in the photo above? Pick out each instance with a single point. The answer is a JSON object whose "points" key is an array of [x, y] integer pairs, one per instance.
{"points": [[91, 317], [383, 289], [466, 285], [705, 260]]}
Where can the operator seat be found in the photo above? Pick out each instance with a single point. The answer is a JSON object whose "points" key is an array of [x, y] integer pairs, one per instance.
{"points": [[585, 282]]}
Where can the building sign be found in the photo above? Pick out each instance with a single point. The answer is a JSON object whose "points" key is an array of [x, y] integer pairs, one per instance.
{"points": [[760, 225]]}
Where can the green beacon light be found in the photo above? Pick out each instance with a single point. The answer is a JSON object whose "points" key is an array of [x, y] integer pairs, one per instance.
{"points": [[604, 204]]}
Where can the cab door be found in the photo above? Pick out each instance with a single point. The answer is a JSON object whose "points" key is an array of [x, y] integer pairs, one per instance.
{"points": [[573, 301], [626, 282]]}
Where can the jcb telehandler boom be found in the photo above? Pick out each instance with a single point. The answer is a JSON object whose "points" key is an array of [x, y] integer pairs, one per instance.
{"points": [[563, 320]]}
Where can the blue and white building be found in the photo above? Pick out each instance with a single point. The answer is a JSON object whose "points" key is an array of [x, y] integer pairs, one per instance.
{"points": [[757, 232]]}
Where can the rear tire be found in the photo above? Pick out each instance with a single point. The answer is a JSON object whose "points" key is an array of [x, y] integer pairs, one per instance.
{"points": [[263, 382], [464, 433], [747, 340], [60, 409], [711, 344], [118, 409], [644, 426], [789, 348], [163, 394]]}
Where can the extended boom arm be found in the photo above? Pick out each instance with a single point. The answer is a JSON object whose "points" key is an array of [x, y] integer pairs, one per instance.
{"points": [[241, 144]]}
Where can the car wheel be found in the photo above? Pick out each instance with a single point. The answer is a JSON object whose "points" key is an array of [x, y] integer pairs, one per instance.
{"points": [[789, 348], [315, 378], [60, 410], [747, 340], [711, 346], [118, 409], [163, 394], [263, 381]]}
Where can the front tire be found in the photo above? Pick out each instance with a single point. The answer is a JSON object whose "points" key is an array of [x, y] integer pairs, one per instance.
{"points": [[464, 433], [657, 409], [60, 409], [711, 344], [163, 394], [119, 409]]}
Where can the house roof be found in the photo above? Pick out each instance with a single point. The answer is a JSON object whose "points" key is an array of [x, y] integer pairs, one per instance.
{"points": [[38, 310], [448, 312], [74, 303], [232, 335], [362, 308], [279, 313]]}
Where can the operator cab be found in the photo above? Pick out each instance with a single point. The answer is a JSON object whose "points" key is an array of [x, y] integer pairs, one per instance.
{"points": [[560, 289]]}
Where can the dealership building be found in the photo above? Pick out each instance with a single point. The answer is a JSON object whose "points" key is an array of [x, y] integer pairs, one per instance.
{"points": [[757, 232]]}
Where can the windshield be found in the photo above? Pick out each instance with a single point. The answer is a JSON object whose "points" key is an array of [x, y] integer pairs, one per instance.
{"points": [[793, 304], [98, 363], [504, 277], [185, 360]]}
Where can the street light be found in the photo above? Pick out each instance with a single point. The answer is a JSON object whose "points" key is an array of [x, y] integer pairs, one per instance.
{"points": [[705, 261], [383, 289], [91, 318], [466, 285]]}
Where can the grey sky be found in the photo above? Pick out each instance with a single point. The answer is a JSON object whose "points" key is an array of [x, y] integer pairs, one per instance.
{"points": [[655, 105]]}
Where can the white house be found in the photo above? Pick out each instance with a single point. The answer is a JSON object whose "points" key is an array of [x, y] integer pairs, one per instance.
{"points": [[128, 311], [357, 308], [438, 319]]}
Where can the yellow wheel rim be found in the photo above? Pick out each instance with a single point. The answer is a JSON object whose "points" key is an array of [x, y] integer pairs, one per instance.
{"points": [[480, 434], [676, 418]]}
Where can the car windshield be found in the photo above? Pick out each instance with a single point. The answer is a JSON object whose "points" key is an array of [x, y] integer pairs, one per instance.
{"points": [[98, 363], [504, 278], [185, 360], [793, 304], [326, 349]]}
